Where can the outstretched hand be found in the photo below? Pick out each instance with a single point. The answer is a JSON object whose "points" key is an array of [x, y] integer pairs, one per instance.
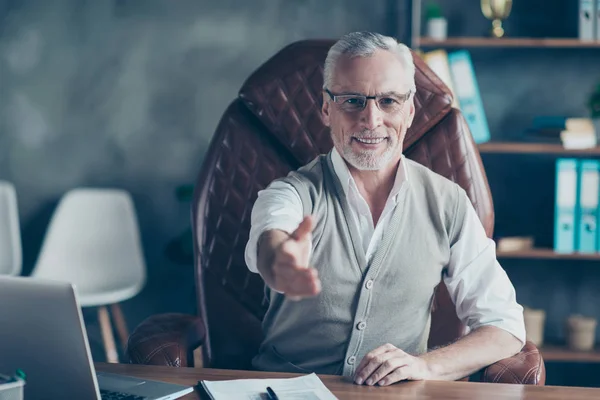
{"points": [[290, 270]]}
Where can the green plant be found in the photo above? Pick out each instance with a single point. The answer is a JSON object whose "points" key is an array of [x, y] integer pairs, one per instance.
{"points": [[594, 103], [433, 10]]}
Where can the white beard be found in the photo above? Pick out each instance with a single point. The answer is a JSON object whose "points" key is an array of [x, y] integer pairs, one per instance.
{"points": [[367, 160]]}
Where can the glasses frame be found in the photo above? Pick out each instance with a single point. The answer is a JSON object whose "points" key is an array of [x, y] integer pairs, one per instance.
{"points": [[404, 98]]}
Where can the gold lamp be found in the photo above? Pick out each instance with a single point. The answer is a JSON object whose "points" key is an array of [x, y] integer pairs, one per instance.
{"points": [[496, 10]]}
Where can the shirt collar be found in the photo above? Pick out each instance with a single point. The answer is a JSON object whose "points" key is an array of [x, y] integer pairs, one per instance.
{"points": [[349, 185]]}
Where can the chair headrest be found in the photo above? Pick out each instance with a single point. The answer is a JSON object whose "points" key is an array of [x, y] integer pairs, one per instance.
{"points": [[285, 94]]}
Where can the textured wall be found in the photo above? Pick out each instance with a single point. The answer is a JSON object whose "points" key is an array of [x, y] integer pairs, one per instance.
{"points": [[128, 93]]}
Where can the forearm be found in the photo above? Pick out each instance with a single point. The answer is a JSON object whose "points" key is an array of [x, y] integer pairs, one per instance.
{"points": [[471, 353]]}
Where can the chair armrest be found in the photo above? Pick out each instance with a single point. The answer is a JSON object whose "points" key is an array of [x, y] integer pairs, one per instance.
{"points": [[527, 368], [166, 339]]}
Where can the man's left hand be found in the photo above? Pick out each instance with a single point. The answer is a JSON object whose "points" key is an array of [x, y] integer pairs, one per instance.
{"points": [[388, 364]]}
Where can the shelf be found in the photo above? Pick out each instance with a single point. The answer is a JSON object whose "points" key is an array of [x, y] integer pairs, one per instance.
{"points": [[507, 42], [547, 254], [558, 353], [534, 148]]}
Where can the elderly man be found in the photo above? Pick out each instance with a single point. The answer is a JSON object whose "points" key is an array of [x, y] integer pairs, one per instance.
{"points": [[352, 245]]}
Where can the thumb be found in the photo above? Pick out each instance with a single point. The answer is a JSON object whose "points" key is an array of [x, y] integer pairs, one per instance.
{"points": [[305, 228]]}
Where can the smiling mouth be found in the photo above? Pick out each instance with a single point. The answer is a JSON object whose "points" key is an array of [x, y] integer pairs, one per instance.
{"points": [[370, 140]]}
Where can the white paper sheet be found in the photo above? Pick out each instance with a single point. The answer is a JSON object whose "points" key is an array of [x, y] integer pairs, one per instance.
{"points": [[307, 387]]}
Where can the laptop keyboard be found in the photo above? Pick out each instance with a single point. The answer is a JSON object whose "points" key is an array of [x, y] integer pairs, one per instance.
{"points": [[110, 395]]}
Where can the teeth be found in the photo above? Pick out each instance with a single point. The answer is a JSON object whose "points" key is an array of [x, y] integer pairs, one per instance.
{"points": [[370, 141]]}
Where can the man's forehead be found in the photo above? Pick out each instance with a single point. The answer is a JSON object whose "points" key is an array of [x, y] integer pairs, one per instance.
{"points": [[383, 72]]}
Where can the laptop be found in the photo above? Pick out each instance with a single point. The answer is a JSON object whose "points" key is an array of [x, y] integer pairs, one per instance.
{"points": [[42, 333]]}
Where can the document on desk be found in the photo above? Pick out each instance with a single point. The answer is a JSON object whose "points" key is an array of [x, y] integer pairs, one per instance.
{"points": [[307, 387]]}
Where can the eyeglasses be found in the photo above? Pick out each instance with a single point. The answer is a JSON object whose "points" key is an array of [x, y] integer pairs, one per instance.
{"points": [[389, 102]]}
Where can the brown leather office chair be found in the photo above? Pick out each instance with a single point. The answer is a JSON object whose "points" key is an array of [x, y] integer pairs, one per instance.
{"points": [[275, 126]]}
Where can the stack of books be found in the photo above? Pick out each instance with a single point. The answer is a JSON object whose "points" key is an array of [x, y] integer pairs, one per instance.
{"points": [[572, 133]]}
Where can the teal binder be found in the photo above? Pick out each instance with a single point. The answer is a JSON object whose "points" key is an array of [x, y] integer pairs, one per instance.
{"points": [[565, 222], [587, 212], [469, 96]]}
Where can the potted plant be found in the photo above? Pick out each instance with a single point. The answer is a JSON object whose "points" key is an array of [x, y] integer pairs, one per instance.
{"points": [[437, 26], [594, 106]]}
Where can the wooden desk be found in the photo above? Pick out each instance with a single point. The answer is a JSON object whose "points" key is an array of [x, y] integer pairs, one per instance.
{"points": [[344, 390]]}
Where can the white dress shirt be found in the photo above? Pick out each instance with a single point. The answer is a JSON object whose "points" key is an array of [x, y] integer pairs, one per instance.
{"points": [[481, 290]]}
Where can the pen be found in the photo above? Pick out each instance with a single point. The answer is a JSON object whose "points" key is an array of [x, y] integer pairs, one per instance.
{"points": [[272, 394]]}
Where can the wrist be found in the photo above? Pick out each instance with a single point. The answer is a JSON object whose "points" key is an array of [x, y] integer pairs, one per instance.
{"points": [[267, 246], [432, 370]]}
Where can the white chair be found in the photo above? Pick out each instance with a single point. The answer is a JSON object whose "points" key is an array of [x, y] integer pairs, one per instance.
{"points": [[10, 232], [93, 242]]}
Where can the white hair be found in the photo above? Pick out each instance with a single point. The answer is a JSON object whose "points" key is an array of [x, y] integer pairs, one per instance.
{"points": [[364, 44]]}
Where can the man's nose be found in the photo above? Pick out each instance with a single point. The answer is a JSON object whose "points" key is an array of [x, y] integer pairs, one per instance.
{"points": [[371, 116]]}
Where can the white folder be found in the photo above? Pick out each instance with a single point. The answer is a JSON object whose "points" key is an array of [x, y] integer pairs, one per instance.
{"points": [[597, 13], [437, 60], [587, 20]]}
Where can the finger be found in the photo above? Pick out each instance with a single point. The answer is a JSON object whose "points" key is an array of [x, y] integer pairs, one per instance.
{"points": [[386, 368], [304, 290], [305, 228], [372, 354], [397, 375], [288, 273], [298, 281], [372, 365], [292, 252], [305, 287]]}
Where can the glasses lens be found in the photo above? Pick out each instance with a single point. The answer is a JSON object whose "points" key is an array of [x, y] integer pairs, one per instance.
{"points": [[389, 104], [355, 103], [351, 103]]}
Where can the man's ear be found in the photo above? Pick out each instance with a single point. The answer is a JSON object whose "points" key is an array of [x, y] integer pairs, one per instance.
{"points": [[325, 109]]}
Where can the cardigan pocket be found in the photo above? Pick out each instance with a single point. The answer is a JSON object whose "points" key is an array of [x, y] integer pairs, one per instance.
{"points": [[282, 362]]}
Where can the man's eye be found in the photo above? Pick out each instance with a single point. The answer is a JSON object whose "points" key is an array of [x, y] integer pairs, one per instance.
{"points": [[387, 101], [353, 101]]}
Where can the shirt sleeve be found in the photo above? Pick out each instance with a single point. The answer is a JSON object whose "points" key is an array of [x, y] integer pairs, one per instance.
{"points": [[480, 288], [277, 207]]}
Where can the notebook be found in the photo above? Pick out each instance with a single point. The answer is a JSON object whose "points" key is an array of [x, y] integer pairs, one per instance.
{"points": [[306, 387]]}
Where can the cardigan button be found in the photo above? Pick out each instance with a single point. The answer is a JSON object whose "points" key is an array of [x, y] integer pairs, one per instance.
{"points": [[351, 360], [369, 284], [361, 325]]}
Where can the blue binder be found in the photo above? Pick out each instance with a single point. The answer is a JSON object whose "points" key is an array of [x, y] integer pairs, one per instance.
{"points": [[469, 97], [565, 222], [587, 212]]}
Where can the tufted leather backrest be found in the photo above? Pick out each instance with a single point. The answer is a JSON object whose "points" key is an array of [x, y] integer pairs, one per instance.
{"points": [[275, 126]]}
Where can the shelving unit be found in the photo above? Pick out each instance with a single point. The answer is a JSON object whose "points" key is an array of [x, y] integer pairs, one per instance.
{"points": [[551, 352], [535, 148], [467, 42], [548, 254], [564, 354]]}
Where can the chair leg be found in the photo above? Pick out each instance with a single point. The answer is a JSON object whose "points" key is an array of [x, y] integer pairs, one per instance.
{"points": [[107, 335], [120, 324], [198, 359]]}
